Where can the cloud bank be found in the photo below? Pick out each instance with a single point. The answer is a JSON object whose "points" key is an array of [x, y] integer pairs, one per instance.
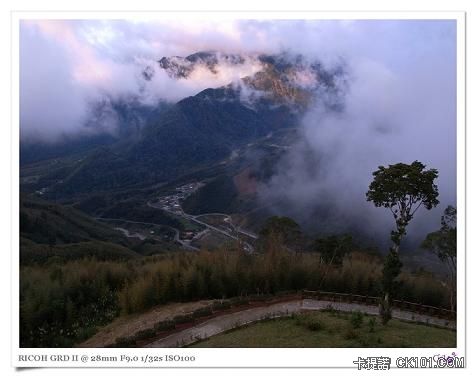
{"points": [[400, 101], [400, 106], [66, 67]]}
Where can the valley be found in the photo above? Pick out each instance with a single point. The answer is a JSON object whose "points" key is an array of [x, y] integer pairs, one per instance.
{"points": [[196, 227], [211, 223]]}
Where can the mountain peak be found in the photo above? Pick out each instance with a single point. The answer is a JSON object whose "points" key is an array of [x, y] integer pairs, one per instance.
{"points": [[179, 67], [284, 77]]}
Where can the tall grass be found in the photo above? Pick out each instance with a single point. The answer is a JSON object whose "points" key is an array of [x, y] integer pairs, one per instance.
{"points": [[62, 302]]}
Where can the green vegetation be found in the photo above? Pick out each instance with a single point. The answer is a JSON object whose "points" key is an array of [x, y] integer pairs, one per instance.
{"points": [[401, 188], [61, 302], [371, 324], [282, 230], [218, 195], [52, 230], [137, 210], [49, 223], [443, 244], [202, 312], [165, 325], [334, 248], [356, 319], [225, 305], [40, 253], [77, 274], [49, 230], [331, 330]]}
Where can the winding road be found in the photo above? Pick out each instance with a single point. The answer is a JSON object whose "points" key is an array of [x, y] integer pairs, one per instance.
{"points": [[234, 234], [193, 218], [177, 239]]}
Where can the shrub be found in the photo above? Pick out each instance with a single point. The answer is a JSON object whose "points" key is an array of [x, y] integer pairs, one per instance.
{"points": [[356, 319], [308, 321], [299, 320], [201, 312], [221, 305], [165, 325], [125, 342], [314, 325], [260, 297], [144, 334], [60, 302], [371, 324], [238, 301], [186, 318], [284, 293]]}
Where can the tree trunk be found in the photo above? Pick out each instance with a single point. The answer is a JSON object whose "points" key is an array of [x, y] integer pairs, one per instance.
{"points": [[453, 292], [390, 271], [385, 308]]}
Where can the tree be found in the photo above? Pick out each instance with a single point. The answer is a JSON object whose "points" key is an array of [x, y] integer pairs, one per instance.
{"points": [[403, 189], [333, 248], [443, 244], [283, 230]]}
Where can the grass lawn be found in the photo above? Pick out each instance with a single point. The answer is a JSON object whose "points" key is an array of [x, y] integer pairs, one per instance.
{"points": [[332, 330]]}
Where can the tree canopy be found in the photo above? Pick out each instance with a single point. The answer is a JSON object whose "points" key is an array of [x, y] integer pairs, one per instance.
{"points": [[403, 188], [443, 241], [443, 244], [283, 228], [333, 248]]}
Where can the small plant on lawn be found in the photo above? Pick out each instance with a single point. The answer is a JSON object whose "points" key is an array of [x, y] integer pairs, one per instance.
{"points": [[314, 325], [311, 323], [365, 341], [356, 319], [301, 319], [371, 324], [350, 334]]}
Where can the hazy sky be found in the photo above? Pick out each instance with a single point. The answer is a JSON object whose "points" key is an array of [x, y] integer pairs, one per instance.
{"points": [[400, 103], [66, 65]]}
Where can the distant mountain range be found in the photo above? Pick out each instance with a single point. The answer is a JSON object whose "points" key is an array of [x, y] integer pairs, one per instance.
{"points": [[179, 67], [284, 78], [162, 143]]}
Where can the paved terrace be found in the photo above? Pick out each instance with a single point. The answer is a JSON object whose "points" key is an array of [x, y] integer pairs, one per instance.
{"points": [[219, 324]]}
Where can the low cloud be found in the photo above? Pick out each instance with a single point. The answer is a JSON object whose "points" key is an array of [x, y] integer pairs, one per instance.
{"points": [[399, 95], [67, 67], [399, 106]]}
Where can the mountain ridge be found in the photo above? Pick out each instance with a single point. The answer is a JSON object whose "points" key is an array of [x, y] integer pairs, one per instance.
{"points": [[203, 129]]}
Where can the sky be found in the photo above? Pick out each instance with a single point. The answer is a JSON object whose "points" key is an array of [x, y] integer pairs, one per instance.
{"points": [[92, 59], [400, 101]]}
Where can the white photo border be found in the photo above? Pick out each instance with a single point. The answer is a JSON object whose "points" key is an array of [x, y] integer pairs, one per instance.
{"points": [[237, 357]]}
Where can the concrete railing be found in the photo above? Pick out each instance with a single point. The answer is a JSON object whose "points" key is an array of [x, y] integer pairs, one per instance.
{"points": [[364, 299]]}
